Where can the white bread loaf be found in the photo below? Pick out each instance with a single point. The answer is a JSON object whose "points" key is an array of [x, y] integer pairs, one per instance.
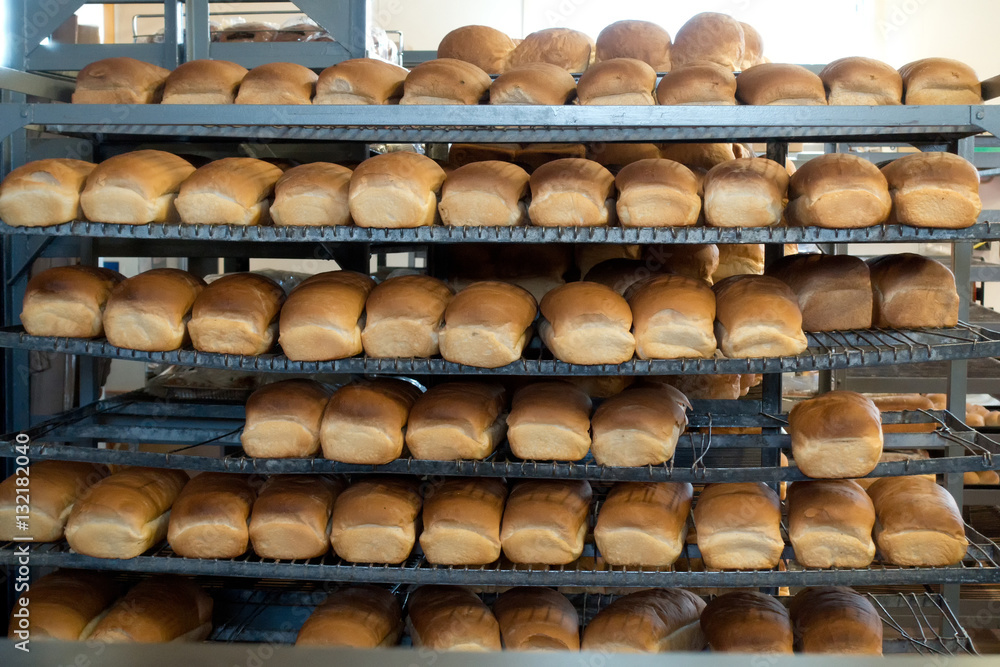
{"points": [[44, 192], [832, 619], [933, 190], [746, 192], [533, 83], [487, 324], [485, 194], [830, 524], [277, 83], [291, 516], [617, 82], [68, 301], [209, 519], [231, 191], [365, 420], [643, 524], [283, 419], [237, 314], [834, 291], [310, 330], [64, 605], [836, 435], [757, 316], [587, 323], [861, 82], [571, 192], [203, 82], [404, 316], [461, 521], [912, 291], [125, 514], [451, 618], [641, 40], [486, 48], [549, 421], [376, 519], [150, 311], [919, 523], [119, 81], [55, 487], [457, 420], [737, 259], [395, 190], [640, 426], [697, 85], [747, 622], [570, 49], [673, 317], [780, 84], [537, 619], [838, 190], [161, 609], [445, 81], [939, 81], [545, 521], [360, 81], [312, 195], [694, 260], [135, 188], [354, 617], [739, 526], [710, 38], [657, 192], [657, 620]]}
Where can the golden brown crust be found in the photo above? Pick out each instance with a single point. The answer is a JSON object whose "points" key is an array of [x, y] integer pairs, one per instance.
{"points": [[571, 192], [314, 194], [210, 516], [940, 81], [911, 290], [643, 524], [489, 193], [831, 619], [550, 421], [487, 324], [830, 523], [919, 523], [745, 192], [162, 609], [739, 526], [203, 82], [291, 516], [533, 83], [698, 85], [150, 311], [545, 521], [313, 331], [836, 435], [933, 189], [673, 317], [65, 605], [641, 40], [55, 487], [451, 618], [457, 420], [283, 419], [838, 190], [619, 81], [44, 192], [572, 50], [277, 83], [780, 84], [404, 316], [236, 314], [587, 323], [376, 519], [364, 421], [461, 521], [135, 188], [360, 81], [119, 81], [537, 619], [747, 622], [834, 291], [395, 190], [711, 38], [862, 81], [651, 621], [640, 426], [757, 316], [486, 48], [354, 617], [657, 192], [232, 191], [445, 81], [68, 301]]}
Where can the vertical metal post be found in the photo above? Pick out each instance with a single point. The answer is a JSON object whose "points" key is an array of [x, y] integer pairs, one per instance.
{"points": [[196, 32], [171, 34]]}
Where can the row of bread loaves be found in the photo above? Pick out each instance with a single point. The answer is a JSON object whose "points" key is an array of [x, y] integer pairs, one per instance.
{"points": [[405, 190]]}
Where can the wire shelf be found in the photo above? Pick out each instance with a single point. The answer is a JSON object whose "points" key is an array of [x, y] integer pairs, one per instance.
{"points": [[204, 435], [980, 565], [827, 351], [988, 227]]}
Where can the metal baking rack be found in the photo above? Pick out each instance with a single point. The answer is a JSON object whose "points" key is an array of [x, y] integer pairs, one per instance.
{"points": [[207, 438], [827, 350], [988, 227]]}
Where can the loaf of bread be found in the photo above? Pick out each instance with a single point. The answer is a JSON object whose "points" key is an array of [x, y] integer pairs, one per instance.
{"points": [[832, 619], [673, 317], [533, 83], [545, 521], [461, 521], [487, 324], [486, 48], [312, 195], [278, 83], [780, 84], [44, 192], [587, 323], [571, 192], [753, 47], [150, 311], [830, 523], [395, 190], [695, 260], [707, 387], [204, 82], [283, 419], [124, 514], [549, 421], [640, 426], [537, 619], [457, 420], [65, 605], [161, 609], [119, 81], [709, 38], [620, 273], [657, 620], [209, 519], [697, 85], [739, 526], [757, 316], [53, 489], [445, 81], [360, 81], [657, 192], [643, 524], [911, 290], [237, 314], [375, 520], [860, 81], [902, 403], [939, 81], [451, 618], [834, 292], [354, 617], [919, 523], [570, 49], [291, 516], [485, 194], [364, 421], [836, 435], [618, 82], [135, 188], [230, 191], [535, 267], [747, 622], [737, 259], [404, 316], [68, 301], [311, 330], [641, 40], [838, 190], [933, 190], [746, 192]]}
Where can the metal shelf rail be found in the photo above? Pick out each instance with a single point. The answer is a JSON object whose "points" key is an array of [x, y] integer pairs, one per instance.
{"points": [[207, 435], [827, 350], [980, 565]]}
